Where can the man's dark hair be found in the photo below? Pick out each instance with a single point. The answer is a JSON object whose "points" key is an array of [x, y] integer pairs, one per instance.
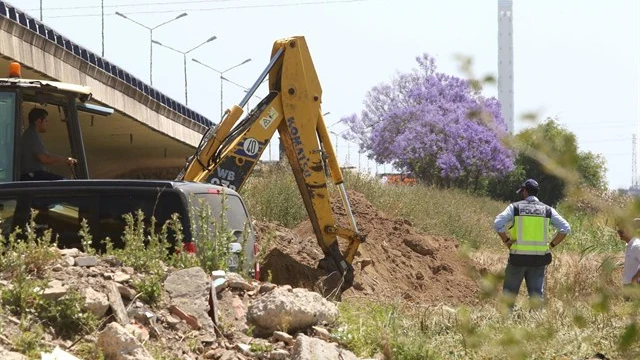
{"points": [[37, 114]]}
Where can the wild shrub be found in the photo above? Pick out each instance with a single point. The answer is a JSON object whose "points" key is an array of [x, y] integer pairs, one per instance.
{"points": [[25, 258]]}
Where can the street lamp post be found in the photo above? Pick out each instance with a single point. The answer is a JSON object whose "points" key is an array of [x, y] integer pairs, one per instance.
{"points": [[150, 38], [244, 88], [222, 78], [336, 146], [184, 60]]}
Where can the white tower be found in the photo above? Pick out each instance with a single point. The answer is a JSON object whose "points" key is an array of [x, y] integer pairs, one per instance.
{"points": [[505, 61]]}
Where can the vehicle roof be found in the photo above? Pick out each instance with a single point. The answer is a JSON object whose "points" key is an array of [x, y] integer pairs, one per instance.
{"points": [[114, 183], [72, 88]]}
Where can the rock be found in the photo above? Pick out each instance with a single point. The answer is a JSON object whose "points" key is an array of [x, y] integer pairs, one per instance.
{"points": [[138, 331], [112, 261], [121, 277], [70, 252], [117, 344], [220, 284], [172, 320], [115, 301], [217, 274], [55, 290], [266, 287], [57, 268], [86, 261], [57, 354], [420, 245], [11, 355], [290, 311], [364, 263], [244, 349], [321, 333], [211, 354], [279, 354], [357, 285], [126, 292], [307, 348], [190, 319], [282, 336], [188, 289], [236, 281], [238, 308], [69, 261], [96, 302]]}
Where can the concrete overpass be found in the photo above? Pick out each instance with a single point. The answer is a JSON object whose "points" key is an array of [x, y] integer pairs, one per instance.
{"points": [[149, 135]]}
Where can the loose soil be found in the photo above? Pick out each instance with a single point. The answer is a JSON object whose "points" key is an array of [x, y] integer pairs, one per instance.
{"points": [[396, 262]]}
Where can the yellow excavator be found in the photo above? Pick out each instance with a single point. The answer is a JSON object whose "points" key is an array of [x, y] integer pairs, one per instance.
{"points": [[229, 151]]}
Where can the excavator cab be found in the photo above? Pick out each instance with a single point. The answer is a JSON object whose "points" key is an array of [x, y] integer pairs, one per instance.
{"points": [[64, 102]]}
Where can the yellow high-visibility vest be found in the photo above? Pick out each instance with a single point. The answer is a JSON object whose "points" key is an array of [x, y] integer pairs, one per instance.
{"points": [[530, 228]]}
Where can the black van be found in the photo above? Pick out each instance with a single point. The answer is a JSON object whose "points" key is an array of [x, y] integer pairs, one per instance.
{"points": [[63, 204]]}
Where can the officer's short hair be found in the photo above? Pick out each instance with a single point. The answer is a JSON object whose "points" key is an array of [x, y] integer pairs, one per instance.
{"points": [[36, 114]]}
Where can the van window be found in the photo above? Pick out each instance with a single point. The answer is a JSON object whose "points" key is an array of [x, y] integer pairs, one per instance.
{"points": [[160, 205], [63, 216], [7, 134], [236, 214], [7, 211]]}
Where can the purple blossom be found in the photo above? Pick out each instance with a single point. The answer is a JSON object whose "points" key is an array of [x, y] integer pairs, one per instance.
{"points": [[434, 125]]}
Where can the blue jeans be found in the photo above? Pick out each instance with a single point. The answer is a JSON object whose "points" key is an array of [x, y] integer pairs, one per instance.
{"points": [[533, 276]]}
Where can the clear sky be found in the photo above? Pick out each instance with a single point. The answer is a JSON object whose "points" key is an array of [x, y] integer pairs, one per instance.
{"points": [[578, 60]]}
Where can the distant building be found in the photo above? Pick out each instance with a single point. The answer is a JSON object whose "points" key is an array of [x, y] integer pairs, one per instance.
{"points": [[505, 62]]}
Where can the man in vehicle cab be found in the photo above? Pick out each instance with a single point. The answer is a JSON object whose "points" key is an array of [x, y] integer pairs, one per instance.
{"points": [[34, 157]]}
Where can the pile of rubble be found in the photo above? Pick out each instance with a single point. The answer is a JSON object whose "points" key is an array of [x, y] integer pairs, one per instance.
{"points": [[200, 316]]}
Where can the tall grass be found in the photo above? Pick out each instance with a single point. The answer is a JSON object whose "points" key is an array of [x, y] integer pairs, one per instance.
{"points": [[271, 194], [585, 312]]}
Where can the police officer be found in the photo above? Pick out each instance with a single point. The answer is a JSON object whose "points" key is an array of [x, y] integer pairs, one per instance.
{"points": [[528, 241]]}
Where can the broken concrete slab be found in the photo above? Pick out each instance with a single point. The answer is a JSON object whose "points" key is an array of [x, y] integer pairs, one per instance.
{"points": [[188, 290], [290, 310], [117, 344], [282, 336], [307, 348], [73, 252], [55, 290], [191, 320], [126, 292], [96, 302], [115, 301], [266, 287], [236, 281], [57, 354], [86, 261], [321, 333], [11, 355], [217, 274], [279, 354]]}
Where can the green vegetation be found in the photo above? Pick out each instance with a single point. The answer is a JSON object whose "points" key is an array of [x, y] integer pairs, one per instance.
{"points": [[549, 153], [25, 257]]}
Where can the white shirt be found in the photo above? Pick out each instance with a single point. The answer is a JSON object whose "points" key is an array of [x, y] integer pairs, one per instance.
{"points": [[631, 260]]}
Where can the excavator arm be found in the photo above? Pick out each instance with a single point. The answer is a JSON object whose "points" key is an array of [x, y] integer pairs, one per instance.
{"points": [[228, 153]]}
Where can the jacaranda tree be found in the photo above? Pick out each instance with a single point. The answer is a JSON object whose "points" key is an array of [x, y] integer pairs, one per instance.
{"points": [[434, 125]]}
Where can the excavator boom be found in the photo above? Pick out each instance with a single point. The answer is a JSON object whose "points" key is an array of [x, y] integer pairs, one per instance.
{"points": [[229, 152]]}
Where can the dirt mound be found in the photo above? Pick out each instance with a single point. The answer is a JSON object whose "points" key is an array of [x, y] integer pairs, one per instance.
{"points": [[395, 261]]}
